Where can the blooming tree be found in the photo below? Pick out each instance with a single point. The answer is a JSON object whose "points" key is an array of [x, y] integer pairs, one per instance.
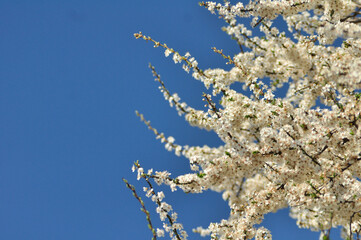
{"points": [[277, 152]]}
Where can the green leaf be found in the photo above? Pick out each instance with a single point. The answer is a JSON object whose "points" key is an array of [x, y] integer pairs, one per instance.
{"points": [[274, 113], [201, 175], [275, 82], [250, 116], [358, 96], [340, 106], [346, 45]]}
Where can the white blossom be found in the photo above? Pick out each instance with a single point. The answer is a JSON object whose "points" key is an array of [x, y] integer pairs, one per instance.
{"points": [[160, 232], [167, 52], [278, 152]]}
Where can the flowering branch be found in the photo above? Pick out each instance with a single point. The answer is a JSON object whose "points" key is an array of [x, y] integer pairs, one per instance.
{"points": [[131, 187], [277, 152], [163, 208]]}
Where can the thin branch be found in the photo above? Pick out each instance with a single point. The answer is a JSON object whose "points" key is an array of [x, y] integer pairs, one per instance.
{"points": [[351, 223], [313, 159], [155, 131], [157, 78], [132, 188], [240, 187], [168, 216], [230, 60], [158, 202], [259, 21], [157, 44]]}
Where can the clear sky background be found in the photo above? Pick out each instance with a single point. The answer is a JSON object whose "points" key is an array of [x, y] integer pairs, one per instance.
{"points": [[71, 77]]}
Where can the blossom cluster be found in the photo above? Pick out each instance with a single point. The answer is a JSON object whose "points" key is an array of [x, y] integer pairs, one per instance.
{"points": [[277, 152]]}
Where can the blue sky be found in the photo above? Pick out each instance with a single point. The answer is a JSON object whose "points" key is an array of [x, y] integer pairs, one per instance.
{"points": [[71, 77]]}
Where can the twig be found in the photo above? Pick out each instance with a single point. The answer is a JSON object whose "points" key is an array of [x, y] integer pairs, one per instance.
{"points": [[304, 152], [157, 78], [158, 202], [132, 188]]}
